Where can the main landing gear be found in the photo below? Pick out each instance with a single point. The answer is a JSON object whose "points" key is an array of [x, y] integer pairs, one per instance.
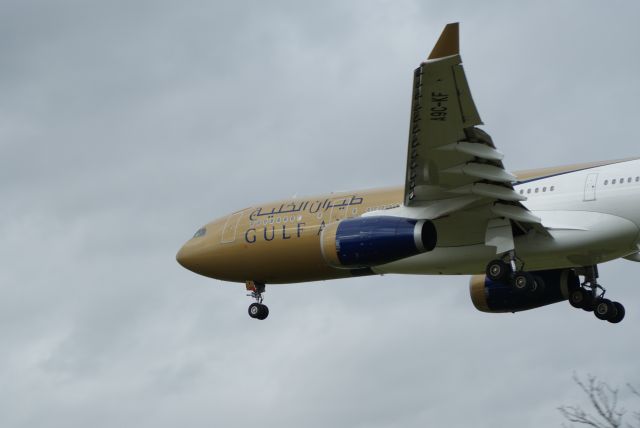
{"points": [[257, 310], [521, 281], [589, 296]]}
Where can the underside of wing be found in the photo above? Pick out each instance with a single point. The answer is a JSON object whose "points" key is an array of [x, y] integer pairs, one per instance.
{"points": [[452, 165]]}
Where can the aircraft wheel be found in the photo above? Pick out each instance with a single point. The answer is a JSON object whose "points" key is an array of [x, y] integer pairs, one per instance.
{"points": [[578, 297], [604, 309], [539, 285], [258, 311], [523, 282], [254, 310], [497, 270], [590, 302], [619, 313], [264, 312]]}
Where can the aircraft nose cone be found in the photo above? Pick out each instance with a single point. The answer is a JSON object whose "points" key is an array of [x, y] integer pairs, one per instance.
{"points": [[181, 257], [187, 258]]}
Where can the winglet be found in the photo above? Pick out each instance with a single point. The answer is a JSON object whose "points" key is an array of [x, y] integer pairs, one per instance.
{"points": [[448, 44]]}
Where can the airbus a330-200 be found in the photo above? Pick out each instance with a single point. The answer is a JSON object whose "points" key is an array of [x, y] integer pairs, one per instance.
{"points": [[528, 239]]}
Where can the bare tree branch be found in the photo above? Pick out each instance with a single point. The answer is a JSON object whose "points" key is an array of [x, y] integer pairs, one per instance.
{"points": [[636, 415], [604, 401]]}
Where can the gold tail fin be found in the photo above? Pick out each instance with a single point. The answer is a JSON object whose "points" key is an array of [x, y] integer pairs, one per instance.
{"points": [[448, 44]]}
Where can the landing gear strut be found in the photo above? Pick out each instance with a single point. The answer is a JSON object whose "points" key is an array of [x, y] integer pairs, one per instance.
{"points": [[589, 296], [257, 310]]}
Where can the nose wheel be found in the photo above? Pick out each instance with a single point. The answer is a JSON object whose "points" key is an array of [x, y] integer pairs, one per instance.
{"points": [[257, 310]]}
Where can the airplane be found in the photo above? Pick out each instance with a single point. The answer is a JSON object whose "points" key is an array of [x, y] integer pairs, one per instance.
{"points": [[528, 239]]}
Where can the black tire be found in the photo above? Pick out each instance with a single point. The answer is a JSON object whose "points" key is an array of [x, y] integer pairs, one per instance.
{"points": [[590, 302], [497, 270], [539, 286], [619, 313], [523, 283], [254, 310], [264, 312], [578, 298], [604, 309]]}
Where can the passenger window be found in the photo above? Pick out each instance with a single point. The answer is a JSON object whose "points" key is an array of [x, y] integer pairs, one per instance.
{"points": [[536, 190], [606, 182], [521, 191], [544, 189], [613, 181], [552, 188], [528, 190], [629, 180]]}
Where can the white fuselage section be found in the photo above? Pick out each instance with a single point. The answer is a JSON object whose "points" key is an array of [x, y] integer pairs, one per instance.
{"points": [[589, 216]]}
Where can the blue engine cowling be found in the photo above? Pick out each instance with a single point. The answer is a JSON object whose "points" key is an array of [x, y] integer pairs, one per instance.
{"points": [[492, 296], [370, 241]]}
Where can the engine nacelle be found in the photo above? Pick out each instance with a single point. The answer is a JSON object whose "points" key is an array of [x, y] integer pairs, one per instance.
{"points": [[370, 241], [492, 296]]}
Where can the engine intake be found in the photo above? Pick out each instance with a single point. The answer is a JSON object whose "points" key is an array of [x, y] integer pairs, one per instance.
{"points": [[370, 241], [499, 296]]}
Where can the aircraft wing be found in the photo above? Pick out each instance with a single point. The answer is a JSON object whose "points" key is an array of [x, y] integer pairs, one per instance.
{"points": [[452, 165]]}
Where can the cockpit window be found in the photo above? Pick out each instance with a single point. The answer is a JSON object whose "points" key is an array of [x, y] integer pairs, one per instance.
{"points": [[201, 232]]}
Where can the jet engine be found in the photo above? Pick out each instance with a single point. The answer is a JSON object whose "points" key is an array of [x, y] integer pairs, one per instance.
{"points": [[369, 241], [500, 296]]}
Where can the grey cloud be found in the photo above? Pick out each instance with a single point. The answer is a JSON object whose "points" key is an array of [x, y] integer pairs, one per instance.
{"points": [[129, 124]]}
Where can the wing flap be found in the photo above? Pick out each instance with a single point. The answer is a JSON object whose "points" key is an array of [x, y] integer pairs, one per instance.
{"points": [[482, 171], [491, 191], [478, 150], [516, 213], [452, 165]]}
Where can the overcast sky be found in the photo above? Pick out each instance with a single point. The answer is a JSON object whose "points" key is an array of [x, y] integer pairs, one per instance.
{"points": [[126, 125]]}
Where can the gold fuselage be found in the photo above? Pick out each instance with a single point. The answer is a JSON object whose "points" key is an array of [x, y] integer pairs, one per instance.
{"points": [[279, 242]]}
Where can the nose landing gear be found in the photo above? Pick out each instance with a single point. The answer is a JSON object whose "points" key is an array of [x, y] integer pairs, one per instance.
{"points": [[257, 310]]}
